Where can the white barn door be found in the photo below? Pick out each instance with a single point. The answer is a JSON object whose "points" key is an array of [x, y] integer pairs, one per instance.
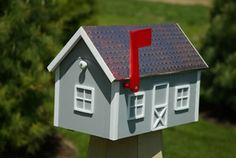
{"points": [[159, 106]]}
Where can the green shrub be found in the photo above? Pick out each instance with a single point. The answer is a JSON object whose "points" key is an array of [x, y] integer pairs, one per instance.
{"points": [[219, 50], [31, 33]]}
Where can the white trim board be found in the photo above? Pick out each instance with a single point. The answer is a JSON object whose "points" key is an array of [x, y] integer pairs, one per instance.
{"points": [[114, 111], [191, 44], [197, 96], [56, 97], [80, 33]]}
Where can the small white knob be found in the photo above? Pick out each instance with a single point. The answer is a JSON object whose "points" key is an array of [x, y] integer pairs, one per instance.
{"points": [[83, 64]]}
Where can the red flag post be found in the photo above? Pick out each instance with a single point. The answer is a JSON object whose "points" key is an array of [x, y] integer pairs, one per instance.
{"points": [[138, 39]]}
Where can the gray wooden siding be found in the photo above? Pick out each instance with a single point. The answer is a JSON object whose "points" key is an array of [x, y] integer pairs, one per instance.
{"points": [[71, 74], [134, 127]]}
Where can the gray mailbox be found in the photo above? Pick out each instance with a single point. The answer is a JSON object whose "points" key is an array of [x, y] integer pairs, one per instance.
{"points": [[94, 65]]}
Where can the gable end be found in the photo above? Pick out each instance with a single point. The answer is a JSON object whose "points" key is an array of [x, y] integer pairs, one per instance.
{"points": [[80, 33]]}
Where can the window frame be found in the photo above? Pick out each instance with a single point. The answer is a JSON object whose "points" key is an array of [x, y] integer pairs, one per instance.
{"points": [[142, 105], [182, 97], [83, 99]]}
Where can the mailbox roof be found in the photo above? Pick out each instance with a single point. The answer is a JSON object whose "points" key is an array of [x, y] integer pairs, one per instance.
{"points": [[171, 51]]}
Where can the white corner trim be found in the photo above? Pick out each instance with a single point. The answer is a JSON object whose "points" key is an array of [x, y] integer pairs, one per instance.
{"points": [[191, 44], [197, 95], [114, 111], [188, 96], [80, 33], [56, 97]]}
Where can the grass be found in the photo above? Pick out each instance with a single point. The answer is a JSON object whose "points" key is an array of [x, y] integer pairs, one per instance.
{"points": [[203, 139], [80, 141], [193, 19]]}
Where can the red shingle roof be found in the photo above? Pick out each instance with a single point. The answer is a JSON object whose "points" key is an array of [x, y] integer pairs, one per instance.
{"points": [[170, 52]]}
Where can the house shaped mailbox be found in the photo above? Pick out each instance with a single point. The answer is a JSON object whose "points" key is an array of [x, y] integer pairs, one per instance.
{"points": [[93, 69]]}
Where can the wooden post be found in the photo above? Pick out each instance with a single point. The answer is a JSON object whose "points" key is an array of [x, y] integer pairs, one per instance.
{"points": [[147, 145]]}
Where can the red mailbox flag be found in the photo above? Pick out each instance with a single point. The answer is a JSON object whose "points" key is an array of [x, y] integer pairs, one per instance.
{"points": [[138, 39]]}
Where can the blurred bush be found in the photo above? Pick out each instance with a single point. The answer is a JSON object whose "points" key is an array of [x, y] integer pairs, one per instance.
{"points": [[31, 33], [219, 86]]}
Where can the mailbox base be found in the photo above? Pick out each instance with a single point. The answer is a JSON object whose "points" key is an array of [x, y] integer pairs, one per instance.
{"points": [[147, 145]]}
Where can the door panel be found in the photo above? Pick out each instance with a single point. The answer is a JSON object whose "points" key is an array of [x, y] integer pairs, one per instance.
{"points": [[160, 106]]}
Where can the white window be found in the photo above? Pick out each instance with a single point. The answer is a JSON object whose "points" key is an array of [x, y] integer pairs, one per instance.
{"points": [[136, 105], [84, 99], [182, 97]]}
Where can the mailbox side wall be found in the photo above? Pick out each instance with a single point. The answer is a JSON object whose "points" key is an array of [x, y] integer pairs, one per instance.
{"points": [[70, 75], [138, 126]]}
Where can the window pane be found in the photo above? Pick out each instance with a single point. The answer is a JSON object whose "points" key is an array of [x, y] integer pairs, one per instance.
{"points": [[179, 92], [88, 94], [79, 103], [88, 105], [185, 91], [185, 100], [139, 111], [80, 92], [179, 103], [140, 99]]}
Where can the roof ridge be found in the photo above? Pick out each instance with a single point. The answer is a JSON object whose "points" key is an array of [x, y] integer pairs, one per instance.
{"points": [[120, 25]]}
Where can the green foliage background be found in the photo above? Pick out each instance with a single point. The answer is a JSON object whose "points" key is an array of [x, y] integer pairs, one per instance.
{"points": [[219, 50], [31, 33]]}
